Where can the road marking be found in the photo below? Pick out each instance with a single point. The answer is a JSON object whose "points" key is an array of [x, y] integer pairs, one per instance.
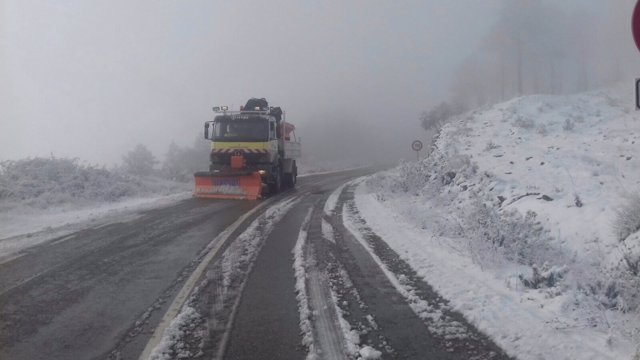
{"points": [[215, 245]]}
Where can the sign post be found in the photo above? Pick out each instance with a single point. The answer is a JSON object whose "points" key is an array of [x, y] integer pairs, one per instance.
{"points": [[417, 146], [637, 89]]}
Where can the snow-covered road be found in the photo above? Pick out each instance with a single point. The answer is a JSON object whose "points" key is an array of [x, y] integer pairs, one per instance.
{"points": [[288, 278], [300, 282]]}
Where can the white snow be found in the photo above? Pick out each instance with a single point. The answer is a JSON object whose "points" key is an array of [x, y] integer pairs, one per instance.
{"points": [[327, 231], [173, 335], [301, 289], [464, 219], [332, 201], [369, 353], [351, 337]]}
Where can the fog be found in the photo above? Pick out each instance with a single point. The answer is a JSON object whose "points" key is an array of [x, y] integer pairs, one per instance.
{"points": [[91, 79]]}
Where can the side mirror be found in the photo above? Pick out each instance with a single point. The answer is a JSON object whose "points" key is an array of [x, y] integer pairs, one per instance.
{"points": [[206, 131]]}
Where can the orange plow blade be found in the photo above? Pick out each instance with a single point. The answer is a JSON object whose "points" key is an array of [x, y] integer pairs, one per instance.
{"points": [[215, 186]]}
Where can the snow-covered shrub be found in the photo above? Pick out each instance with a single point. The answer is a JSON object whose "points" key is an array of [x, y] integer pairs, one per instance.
{"points": [[524, 122], [411, 177], [627, 219], [542, 130], [45, 182], [568, 125], [495, 236], [492, 235], [491, 146], [627, 274], [547, 277]]}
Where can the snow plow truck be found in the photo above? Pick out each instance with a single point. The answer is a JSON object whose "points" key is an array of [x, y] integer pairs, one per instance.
{"points": [[253, 153]]}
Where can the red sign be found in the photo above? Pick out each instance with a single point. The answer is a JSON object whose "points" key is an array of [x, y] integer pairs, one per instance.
{"points": [[416, 145], [635, 24]]}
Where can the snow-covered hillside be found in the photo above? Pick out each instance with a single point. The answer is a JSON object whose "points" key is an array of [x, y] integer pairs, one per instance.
{"points": [[526, 215]]}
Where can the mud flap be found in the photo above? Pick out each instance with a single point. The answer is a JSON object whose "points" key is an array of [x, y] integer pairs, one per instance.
{"points": [[214, 186]]}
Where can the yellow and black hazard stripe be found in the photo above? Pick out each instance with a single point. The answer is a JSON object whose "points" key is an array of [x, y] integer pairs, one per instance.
{"points": [[245, 151]]}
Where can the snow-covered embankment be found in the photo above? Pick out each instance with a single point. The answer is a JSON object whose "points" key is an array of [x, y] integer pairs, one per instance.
{"points": [[524, 217]]}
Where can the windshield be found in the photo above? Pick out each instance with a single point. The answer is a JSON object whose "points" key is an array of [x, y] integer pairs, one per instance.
{"points": [[241, 130]]}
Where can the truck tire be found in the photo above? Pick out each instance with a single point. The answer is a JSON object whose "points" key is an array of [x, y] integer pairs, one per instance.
{"points": [[295, 173], [288, 180], [291, 178], [276, 186]]}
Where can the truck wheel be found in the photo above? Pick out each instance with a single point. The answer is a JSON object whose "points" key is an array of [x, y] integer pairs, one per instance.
{"points": [[295, 173], [276, 186], [289, 180]]}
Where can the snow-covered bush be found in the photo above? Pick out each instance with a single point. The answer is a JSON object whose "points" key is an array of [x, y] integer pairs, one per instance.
{"points": [[524, 122], [568, 125], [492, 235], [627, 219], [46, 182], [626, 276], [547, 277]]}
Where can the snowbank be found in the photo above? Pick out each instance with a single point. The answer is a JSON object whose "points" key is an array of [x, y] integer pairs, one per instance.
{"points": [[520, 208]]}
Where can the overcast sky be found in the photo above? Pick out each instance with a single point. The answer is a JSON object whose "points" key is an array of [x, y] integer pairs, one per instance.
{"points": [[91, 79]]}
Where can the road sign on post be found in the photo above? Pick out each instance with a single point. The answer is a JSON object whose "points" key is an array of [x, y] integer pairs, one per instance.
{"points": [[417, 146]]}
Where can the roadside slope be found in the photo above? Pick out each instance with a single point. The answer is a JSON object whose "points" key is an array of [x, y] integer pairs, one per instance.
{"points": [[512, 219]]}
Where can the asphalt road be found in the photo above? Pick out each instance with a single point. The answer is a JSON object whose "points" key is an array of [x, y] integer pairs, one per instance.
{"points": [[105, 292]]}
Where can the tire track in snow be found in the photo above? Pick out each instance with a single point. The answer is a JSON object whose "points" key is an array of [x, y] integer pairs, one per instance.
{"points": [[326, 330], [448, 331], [164, 339]]}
